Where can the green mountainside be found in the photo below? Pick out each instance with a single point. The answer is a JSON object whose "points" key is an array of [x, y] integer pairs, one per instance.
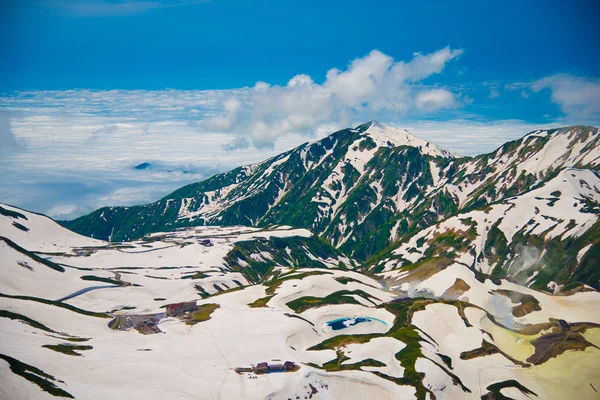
{"points": [[368, 191]]}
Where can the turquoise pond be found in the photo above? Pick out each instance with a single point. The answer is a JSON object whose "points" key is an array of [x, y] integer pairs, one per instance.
{"points": [[347, 322]]}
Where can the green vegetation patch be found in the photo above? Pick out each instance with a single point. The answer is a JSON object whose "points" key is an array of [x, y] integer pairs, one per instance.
{"points": [[68, 349], [197, 275], [31, 255], [274, 283], [202, 292], [25, 320], [344, 340], [21, 227], [341, 297], [57, 304], [295, 274], [12, 214], [486, 349], [71, 339], [262, 302], [344, 280], [336, 364], [35, 375], [289, 252], [298, 317], [218, 293], [202, 314], [447, 360], [101, 279], [495, 388]]}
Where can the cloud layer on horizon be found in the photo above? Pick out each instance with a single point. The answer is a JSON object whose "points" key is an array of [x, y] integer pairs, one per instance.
{"points": [[8, 140], [68, 152]]}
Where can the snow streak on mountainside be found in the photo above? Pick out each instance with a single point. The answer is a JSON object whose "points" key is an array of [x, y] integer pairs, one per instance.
{"points": [[369, 189]]}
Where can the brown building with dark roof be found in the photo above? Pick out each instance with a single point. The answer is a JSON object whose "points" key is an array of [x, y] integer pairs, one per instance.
{"points": [[261, 368], [276, 368], [289, 366], [180, 308]]}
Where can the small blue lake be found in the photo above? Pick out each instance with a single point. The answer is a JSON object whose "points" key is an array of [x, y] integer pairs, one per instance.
{"points": [[347, 322]]}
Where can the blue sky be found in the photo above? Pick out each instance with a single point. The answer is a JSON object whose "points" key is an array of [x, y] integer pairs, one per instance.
{"points": [[88, 88], [219, 44]]}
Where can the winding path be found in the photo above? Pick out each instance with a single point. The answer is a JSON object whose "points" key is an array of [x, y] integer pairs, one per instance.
{"points": [[82, 291]]}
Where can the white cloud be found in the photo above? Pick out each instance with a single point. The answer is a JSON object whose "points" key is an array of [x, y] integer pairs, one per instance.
{"points": [[62, 211], [128, 196], [471, 137], [103, 8], [373, 83], [494, 93], [8, 140], [423, 66], [82, 146], [435, 99], [577, 97], [225, 122]]}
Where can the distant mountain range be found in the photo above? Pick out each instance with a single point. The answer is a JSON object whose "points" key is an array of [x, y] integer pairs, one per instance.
{"points": [[528, 210]]}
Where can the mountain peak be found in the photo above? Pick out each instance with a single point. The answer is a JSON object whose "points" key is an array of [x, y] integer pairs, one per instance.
{"points": [[384, 134]]}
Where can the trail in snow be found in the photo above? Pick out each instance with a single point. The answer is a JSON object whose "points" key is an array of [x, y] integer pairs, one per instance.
{"points": [[82, 291]]}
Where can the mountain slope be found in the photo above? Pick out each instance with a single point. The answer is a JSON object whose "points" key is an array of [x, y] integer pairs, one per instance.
{"points": [[37, 232], [313, 186], [546, 238], [423, 333], [359, 189]]}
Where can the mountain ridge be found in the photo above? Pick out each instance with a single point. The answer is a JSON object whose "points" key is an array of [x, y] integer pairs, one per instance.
{"points": [[362, 190], [310, 155]]}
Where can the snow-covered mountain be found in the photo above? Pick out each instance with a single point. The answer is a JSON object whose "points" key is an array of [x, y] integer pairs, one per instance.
{"points": [[547, 238], [380, 265], [315, 186], [365, 190]]}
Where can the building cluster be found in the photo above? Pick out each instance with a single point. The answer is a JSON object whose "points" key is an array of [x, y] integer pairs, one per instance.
{"points": [[148, 327], [265, 368], [143, 323], [180, 308]]}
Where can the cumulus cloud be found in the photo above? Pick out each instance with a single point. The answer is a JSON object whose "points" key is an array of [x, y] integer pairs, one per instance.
{"points": [[371, 83], [577, 97], [239, 143], [435, 99], [225, 122]]}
